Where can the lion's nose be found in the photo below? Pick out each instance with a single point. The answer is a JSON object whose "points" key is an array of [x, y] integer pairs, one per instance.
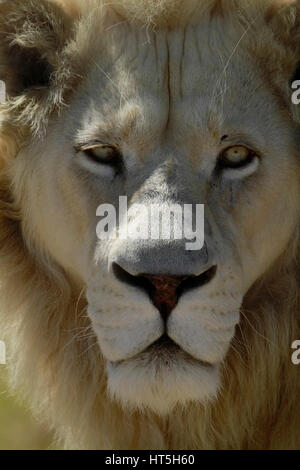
{"points": [[164, 290]]}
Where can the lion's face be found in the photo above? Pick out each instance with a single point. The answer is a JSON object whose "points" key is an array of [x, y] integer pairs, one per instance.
{"points": [[168, 118]]}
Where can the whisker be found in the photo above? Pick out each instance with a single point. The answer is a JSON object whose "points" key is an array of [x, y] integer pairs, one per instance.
{"points": [[256, 331]]}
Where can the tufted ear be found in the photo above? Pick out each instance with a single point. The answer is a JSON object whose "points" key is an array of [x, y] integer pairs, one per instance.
{"points": [[32, 33], [284, 20], [281, 56], [33, 63]]}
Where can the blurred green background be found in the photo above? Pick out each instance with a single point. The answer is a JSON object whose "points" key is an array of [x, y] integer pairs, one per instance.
{"points": [[19, 430]]}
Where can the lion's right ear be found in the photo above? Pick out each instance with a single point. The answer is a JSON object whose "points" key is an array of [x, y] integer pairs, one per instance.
{"points": [[32, 34]]}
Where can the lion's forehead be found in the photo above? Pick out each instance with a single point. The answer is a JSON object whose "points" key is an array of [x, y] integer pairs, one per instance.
{"points": [[178, 64], [198, 82]]}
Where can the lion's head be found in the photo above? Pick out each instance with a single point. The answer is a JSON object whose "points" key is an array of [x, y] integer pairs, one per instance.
{"points": [[166, 105]]}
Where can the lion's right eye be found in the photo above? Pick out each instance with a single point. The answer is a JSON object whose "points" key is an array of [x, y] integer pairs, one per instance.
{"points": [[97, 156], [105, 154]]}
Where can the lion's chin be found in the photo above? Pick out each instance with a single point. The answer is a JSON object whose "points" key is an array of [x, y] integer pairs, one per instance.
{"points": [[160, 379]]}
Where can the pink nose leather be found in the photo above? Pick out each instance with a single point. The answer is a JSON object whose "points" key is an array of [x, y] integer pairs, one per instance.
{"points": [[165, 296]]}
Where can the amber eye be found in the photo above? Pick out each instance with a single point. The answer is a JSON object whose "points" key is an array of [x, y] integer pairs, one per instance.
{"points": [[236, 157]]}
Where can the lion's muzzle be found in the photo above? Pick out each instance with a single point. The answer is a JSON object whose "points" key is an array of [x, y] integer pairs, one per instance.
{"points": [[164, 290]]}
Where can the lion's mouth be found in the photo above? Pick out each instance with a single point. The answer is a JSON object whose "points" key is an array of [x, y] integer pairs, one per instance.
{"points": [[164, 345], [165, 351], [161, 377]]}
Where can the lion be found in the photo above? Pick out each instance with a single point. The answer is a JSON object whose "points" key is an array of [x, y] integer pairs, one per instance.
{"points": [[125, 343]]}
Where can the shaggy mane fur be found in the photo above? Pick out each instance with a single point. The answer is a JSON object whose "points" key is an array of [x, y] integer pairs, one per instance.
{"points": [[43, 315]]}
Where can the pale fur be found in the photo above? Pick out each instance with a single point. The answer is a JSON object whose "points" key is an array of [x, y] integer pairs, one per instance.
{"points": [[51, 347]]}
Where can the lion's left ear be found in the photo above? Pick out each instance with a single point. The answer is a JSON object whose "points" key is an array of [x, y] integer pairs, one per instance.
{"points": [[281, 54], [284, 19]]}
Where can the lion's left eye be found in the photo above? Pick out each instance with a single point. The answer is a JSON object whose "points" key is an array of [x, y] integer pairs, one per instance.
{"points": [[236, 157]]}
